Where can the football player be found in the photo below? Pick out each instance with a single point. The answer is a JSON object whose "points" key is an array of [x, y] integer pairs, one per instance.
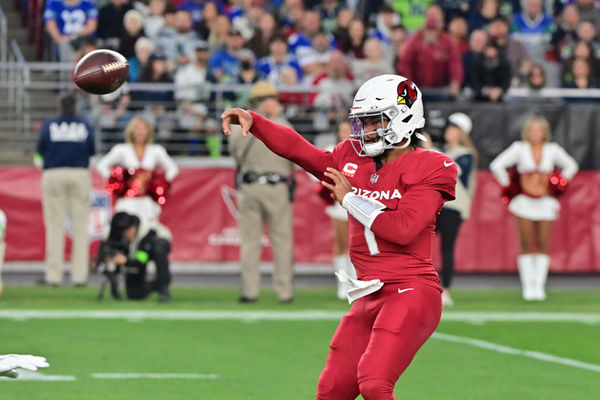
{"points": [[393, 192]]}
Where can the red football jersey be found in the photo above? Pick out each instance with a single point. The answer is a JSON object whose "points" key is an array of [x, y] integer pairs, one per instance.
{"points": [[413, 188]]}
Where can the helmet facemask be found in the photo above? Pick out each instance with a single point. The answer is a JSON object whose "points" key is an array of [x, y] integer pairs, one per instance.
{"points": [[373, 142], [387, 138]]}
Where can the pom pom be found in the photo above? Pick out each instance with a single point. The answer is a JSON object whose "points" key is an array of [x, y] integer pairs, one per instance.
{"points": [[557, 184], [158, 186], [130, 182], [513, 188]]}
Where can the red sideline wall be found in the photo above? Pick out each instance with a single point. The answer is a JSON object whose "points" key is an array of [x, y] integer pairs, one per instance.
{"points": [[201, 214]]}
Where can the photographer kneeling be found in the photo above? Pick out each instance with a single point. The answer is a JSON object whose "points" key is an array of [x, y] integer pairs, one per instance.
{"points": [[132, 245]]}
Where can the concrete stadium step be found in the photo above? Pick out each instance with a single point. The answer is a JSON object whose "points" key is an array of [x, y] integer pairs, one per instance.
{"points": [[16, 137], [16, 157], [17, 31], [21, 36], [43, 76], [43, 104], [17, 140], [34, 113], [13, 18]]}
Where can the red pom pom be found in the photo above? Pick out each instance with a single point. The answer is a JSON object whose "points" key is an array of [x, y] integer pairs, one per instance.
{"points": [[158, 186], [138, 182], [116, 182], [557, 184], [513, 188]]}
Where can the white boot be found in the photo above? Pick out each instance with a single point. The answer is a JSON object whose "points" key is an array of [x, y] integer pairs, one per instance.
{"points": [[542, 264], [527, 275]]}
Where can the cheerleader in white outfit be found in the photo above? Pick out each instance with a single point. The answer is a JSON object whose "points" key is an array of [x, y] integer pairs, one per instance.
{"points": [[535, 159], [138, 152]]}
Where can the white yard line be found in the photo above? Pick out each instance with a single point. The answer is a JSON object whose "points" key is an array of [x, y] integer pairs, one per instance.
{"points": [[316, 315], [174, 315], [506, 316], [100, 375], [25, 375], [517, 352], [138, 315]]}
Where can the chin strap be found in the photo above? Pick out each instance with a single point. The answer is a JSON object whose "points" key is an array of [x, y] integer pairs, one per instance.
{"points": [[405, 145], [420, 136]]}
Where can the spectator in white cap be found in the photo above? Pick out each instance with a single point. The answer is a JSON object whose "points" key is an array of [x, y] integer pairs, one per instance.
{"points": [[459, 147]]}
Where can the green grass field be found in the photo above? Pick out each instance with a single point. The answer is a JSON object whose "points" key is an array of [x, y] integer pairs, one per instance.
{"points": [[491, 345]]}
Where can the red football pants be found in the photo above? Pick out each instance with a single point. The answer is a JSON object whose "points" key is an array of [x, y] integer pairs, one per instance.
{"points": [[376, 341]]}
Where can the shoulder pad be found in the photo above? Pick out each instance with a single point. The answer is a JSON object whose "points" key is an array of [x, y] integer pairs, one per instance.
{"points": [[344, 151], [433, 169]]}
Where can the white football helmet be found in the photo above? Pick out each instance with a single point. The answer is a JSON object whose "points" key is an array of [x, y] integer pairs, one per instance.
{"points": [[397, 100]]}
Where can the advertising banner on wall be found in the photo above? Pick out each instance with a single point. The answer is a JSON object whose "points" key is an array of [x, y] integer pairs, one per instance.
{"points": [[201, 211]]}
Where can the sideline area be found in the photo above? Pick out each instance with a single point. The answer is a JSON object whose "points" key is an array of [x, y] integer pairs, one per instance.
{"points": [[196, 274]]}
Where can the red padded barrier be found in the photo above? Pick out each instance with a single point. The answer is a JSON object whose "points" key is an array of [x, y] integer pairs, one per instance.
{"points": [[200, 212]]}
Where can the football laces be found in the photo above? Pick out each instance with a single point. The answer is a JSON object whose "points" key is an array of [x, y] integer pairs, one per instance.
{"points": [[114, 66]]}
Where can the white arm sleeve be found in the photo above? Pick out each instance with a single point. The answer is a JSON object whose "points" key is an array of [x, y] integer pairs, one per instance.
{"points": [[504, 160], [164, 160], [110, 159], [565, 162], [364, 209]]}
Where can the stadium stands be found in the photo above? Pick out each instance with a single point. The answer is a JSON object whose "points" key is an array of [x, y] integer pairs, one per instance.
{"points": [[31, 75]]}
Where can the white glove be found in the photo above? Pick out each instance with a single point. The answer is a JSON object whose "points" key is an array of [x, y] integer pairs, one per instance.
{"points": [[10, 362]]}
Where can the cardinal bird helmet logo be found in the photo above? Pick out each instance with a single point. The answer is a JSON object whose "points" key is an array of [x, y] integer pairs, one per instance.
{"points": [[407, 93]]}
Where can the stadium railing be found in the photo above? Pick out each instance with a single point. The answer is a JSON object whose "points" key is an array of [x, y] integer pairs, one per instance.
{"points": [[25, 80], [553, 93], [16, 78]]}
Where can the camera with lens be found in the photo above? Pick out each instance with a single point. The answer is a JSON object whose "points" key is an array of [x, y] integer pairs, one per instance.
{"points": [[102, 264]]}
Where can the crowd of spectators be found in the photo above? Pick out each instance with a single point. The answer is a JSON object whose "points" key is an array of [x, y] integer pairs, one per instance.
{"points": [[458, 49]]}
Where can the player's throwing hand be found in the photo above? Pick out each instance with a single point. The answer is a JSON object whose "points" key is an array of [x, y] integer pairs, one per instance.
{"points": [[341, 186], [236, 116]]}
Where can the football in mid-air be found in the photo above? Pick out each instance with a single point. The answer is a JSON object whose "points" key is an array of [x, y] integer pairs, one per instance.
{"points": [[101, 71]]}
